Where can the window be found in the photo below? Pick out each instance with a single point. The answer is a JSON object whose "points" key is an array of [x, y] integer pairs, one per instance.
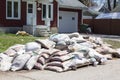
{"points": [[47, 11], [13, 9], [30, 8]]}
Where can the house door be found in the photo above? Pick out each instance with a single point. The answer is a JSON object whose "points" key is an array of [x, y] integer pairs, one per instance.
{"points": [[31, 13], [68, 22]]}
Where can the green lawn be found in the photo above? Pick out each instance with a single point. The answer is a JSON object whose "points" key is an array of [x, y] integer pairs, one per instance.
{"points": [[115, 44], [7, 40]]}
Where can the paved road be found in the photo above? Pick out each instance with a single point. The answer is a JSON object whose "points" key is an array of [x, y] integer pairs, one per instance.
{"points": [[111, 37], [110, 71]]}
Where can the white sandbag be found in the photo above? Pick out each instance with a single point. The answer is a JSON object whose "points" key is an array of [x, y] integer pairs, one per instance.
{"points": [[62, 58], [99, 41], [75, 63], [100, 58], [15, 50], [20, 61], [32, 46], [59, 37], [78, 55], [18, 47], [79, 39], [5, 62], [61, 45], [60, 53], [78, 48], [54, 68], [81, 62], [67, 64], [46, 43], [53, 51], [106, 50], [10, 52], [55, 63], [96, 40], [38, 66], [76, 34], [93, 61], [41, 60], [108, 56], [31, 62], [5, 66], [87, 44], [45, 55]]}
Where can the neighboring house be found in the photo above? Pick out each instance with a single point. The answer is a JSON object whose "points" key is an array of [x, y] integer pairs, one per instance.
{"points": [[90, 14], [60, 15]]}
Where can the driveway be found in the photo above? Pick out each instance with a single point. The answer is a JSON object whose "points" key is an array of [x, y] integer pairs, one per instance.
{"points": [[110, 71]]}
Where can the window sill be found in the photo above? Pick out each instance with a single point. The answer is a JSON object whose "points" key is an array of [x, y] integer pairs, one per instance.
{"points": [[13, 18]]}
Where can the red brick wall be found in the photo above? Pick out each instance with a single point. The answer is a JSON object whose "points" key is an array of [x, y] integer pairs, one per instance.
{"points": [[55, 13], [9, 22], [39, 17], [79, 15]]}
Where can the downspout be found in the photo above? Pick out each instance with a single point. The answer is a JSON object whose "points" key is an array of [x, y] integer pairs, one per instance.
{"points": [[58, 17]]}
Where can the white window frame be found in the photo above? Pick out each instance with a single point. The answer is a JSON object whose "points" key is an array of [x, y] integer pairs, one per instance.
{"points": [[19, 10], [47, 10]]}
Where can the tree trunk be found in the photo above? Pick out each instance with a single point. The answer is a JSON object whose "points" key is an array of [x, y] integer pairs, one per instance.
{"points": [[114, 4], [109, 5]]}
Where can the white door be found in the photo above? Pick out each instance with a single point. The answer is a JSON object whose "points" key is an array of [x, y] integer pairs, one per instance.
{"points": [[31, 13], [68, 22]]}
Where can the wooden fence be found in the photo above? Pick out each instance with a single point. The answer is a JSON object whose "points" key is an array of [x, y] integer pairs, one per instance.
{"points": [[104, 26]]}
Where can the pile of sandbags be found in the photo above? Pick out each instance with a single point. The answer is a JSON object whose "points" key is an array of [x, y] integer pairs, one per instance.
{"points": [[60, 52]]}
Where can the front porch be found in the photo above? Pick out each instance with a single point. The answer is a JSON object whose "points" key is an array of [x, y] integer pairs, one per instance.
{"points": [[39, 14], [37, 30]]}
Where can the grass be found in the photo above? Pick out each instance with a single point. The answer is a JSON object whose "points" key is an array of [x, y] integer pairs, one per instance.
{"points": [[115, 44], [7, 40]]}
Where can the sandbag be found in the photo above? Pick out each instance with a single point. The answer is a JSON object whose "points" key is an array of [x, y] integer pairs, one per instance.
{"points": [[46, 43], [117, 54], [76, 34], [38, 66], [59, 37], [75, 63], [107, 50], [18, 47], [100, 58], [16, 50], [41, 60], [31, 62], [62, 58], [61, 45], [81, 62], [19, 61], [78, 39], [87, 44], [93, 61], [32, 46], [78, 48], [54, 68], [5, 62], [108, 56], [10, 52], [78, 55], [53, 51], [60, 53], [55, 63], [45, 55]]}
